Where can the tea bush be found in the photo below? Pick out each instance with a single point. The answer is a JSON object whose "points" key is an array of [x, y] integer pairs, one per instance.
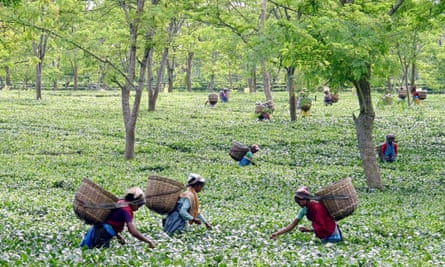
{"points": [[48, 146]]}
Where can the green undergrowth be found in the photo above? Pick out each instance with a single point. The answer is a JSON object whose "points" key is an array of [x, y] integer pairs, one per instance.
{"points": [[48, 146]]}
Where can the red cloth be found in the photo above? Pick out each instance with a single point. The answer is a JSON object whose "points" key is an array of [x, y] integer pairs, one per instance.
{"points": [[383, 148], [322, 222], [119, 217]]}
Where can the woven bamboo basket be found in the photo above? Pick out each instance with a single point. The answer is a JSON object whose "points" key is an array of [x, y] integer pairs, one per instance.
{"points": [[238, 150], [162, 194], [335, 98], [88, 195], [213, 98], [339, 208], [306, 107], [402, 94], [422, 95], [269, 104], [259, 108]]}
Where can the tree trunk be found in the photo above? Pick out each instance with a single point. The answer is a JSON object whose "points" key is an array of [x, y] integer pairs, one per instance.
{"points": [[413, 74], [101, 73], [130, 116], [266, 82], [170, 73], [159, 79], [39, 50], [291, 89], [364, 125], [252, 80], [266, 75], [39, 81], [211, 85], [129, 129], [75, 77], [150, 78], [7, 77], [188, 71], [230, 77]]}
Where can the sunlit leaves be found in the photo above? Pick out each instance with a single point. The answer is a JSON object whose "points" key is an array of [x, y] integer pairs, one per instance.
{"points": [[49, 146]]}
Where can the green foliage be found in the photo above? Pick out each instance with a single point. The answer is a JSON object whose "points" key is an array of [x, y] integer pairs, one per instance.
{"points": [[9, 3], [48, 146]]}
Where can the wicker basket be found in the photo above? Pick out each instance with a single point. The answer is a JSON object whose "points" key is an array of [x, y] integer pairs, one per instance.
{"points": [[335, 98], [339, 208], [402, 94], [269, 104], [162, 194], [238, 150], [213, 98], [306, 107], [259, 108], [92, 203], [422, 95]]}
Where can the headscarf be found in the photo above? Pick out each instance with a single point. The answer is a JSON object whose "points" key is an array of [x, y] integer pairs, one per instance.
{"points": [[254, 148], [194, 178], [192, 195], [390, 137], [303, 193], [135, 196]]}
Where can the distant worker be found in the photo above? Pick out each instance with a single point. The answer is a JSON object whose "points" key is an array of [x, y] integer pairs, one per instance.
{"points": [[388, 150], [247, 159], [224, 95], [415, 94], [327, 97]]}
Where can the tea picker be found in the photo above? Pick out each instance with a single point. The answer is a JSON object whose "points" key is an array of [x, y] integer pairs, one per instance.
{"points": [[186, 210], [243, 154], [108, 214], [323, 209]]}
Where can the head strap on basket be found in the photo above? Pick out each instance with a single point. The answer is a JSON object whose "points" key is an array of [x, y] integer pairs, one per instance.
{"points": [[303, 193], [135, 196]]}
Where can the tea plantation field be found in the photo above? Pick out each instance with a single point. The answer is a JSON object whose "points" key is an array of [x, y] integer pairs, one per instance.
{"points": [[48, 146]]}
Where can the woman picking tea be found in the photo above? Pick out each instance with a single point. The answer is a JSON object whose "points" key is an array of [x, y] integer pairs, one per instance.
{"points": [[187, 207], [323, 225]]}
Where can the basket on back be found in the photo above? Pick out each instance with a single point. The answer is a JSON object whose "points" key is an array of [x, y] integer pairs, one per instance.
{"points": [[339, 208], [92, 204], [402, 94], [267, 107], [238, 150], [213, 98], [162, 194]]}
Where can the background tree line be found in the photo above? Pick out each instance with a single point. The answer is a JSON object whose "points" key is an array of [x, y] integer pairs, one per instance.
{"points": [[207, 44]]}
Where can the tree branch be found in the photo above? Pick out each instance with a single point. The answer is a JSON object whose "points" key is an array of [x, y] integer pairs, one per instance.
{"points": [[395, 7], [53, 33]]}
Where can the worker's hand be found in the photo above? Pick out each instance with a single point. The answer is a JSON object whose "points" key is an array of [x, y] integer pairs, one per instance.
{"points": [[197, 221], [304, 229], [209, 227], [274, 236], [151, 244], [120, 239]]}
